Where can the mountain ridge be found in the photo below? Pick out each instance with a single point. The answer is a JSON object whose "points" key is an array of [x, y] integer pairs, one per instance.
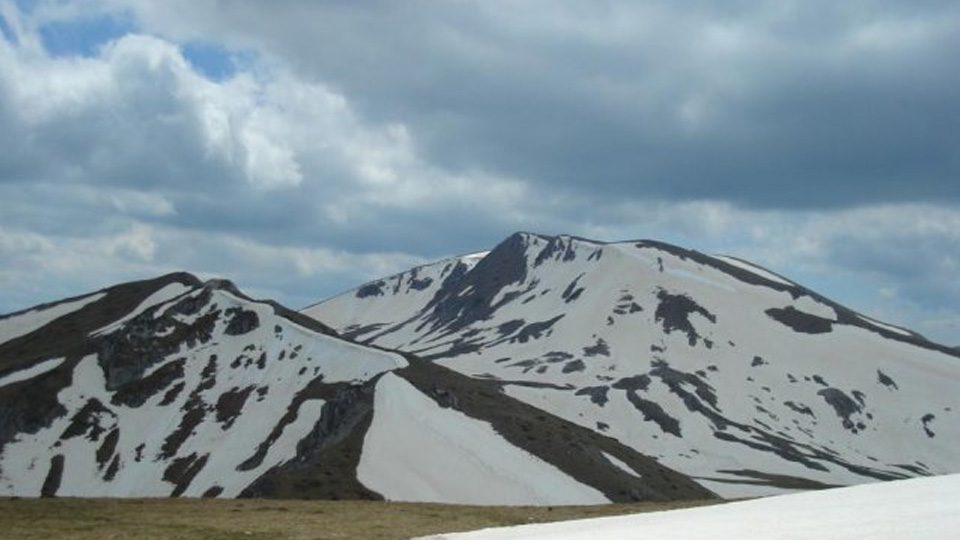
{"points": [[707, 327], [549, 370], [755, 274], [176, 387]]}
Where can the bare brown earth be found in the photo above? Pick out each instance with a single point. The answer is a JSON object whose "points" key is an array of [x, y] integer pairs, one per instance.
{"points": [[257, 519]]}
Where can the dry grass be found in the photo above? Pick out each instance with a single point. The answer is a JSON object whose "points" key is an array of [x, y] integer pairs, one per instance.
{"points": [[208, 519]]}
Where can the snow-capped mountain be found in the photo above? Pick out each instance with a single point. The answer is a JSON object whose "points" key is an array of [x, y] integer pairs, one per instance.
{"points": [[175, 387], [745, 381]]}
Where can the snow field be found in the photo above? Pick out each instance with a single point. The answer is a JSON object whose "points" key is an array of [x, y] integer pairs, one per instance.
{"points": [[30, 372], [927, 508], [418, 451], [30, 321]]}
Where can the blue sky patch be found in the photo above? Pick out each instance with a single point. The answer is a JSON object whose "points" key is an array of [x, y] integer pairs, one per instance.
{"points": [[26, 6], [6, 32], [212, 60], [84, 36]]}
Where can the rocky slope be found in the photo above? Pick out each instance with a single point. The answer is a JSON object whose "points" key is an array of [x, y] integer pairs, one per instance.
{"points": [[174, 387], [737, 377]]}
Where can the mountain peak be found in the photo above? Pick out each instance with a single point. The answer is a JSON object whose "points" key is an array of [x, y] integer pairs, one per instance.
{"points": [[728, 372]]}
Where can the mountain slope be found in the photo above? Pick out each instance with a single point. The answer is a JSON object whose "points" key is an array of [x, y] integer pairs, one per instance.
{"points": [[722, 370], [173, 387], [140, 392]]}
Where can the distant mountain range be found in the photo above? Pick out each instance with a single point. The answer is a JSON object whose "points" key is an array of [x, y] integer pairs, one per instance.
{"points": [[551, 370]]}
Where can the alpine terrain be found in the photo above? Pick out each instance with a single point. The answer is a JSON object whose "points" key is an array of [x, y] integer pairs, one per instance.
{"points": [[176, 387], [736, 377]]}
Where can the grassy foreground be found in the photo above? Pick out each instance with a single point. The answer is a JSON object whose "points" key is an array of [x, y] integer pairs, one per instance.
{"points": [[250, 519]]}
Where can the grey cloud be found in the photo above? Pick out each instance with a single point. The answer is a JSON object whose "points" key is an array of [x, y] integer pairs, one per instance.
{"points": [[393, 132], [127, 128], [120, 141], [776, 104], [923, 268]]}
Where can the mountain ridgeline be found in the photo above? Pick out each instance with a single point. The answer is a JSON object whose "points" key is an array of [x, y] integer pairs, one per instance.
{"points": [[550, 370], [737, 377], [174, 387]]}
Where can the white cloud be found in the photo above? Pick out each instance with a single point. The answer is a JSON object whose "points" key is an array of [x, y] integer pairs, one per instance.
{"points": [[139, 115], [352, 145], [141, 204], [131, 163]]}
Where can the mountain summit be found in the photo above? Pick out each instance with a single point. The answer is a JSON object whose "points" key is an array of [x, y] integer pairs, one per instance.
{"points": [[741, 379]]}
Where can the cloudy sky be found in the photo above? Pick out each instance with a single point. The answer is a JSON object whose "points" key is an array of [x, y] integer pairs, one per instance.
{"points": [[302, 147]]}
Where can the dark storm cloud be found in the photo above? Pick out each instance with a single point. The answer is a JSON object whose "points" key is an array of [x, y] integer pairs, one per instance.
{"points": [[770, 104]]}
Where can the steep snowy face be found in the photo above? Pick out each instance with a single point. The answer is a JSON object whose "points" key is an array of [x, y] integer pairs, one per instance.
{"points": [[174, 387], [731, 374]]}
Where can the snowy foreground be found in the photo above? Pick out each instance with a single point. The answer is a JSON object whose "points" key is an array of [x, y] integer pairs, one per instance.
{"points": [[927, 508]]}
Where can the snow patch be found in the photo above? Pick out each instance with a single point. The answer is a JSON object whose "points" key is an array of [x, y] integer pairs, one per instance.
{"points": [[167, 293], [418, 451], [808, 304], [621, 465], [30, 372], [743, 265], [35, 319], [683, 273], [890, 328], [926, 508]]}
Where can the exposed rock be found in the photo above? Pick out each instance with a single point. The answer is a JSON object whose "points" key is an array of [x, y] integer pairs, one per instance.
{"points": [[599, 348], [136, 392], [241, 321], [800, 321], [371, 289], [535, 330], [597, 394], [87, 421], [576, 365], [674, 312], [844, 406], [182, 471], [927, 420], [572, 292], [230, 404], [886, 380], [637, 383], [52, 482], [802, 409]]}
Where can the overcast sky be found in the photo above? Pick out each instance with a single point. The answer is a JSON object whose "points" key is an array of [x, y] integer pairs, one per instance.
{"points": [[303, 147]]}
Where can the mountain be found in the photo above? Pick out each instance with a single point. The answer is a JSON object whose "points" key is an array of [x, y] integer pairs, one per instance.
{"points": [[177, 387], [737, 377], [916, 508]]}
